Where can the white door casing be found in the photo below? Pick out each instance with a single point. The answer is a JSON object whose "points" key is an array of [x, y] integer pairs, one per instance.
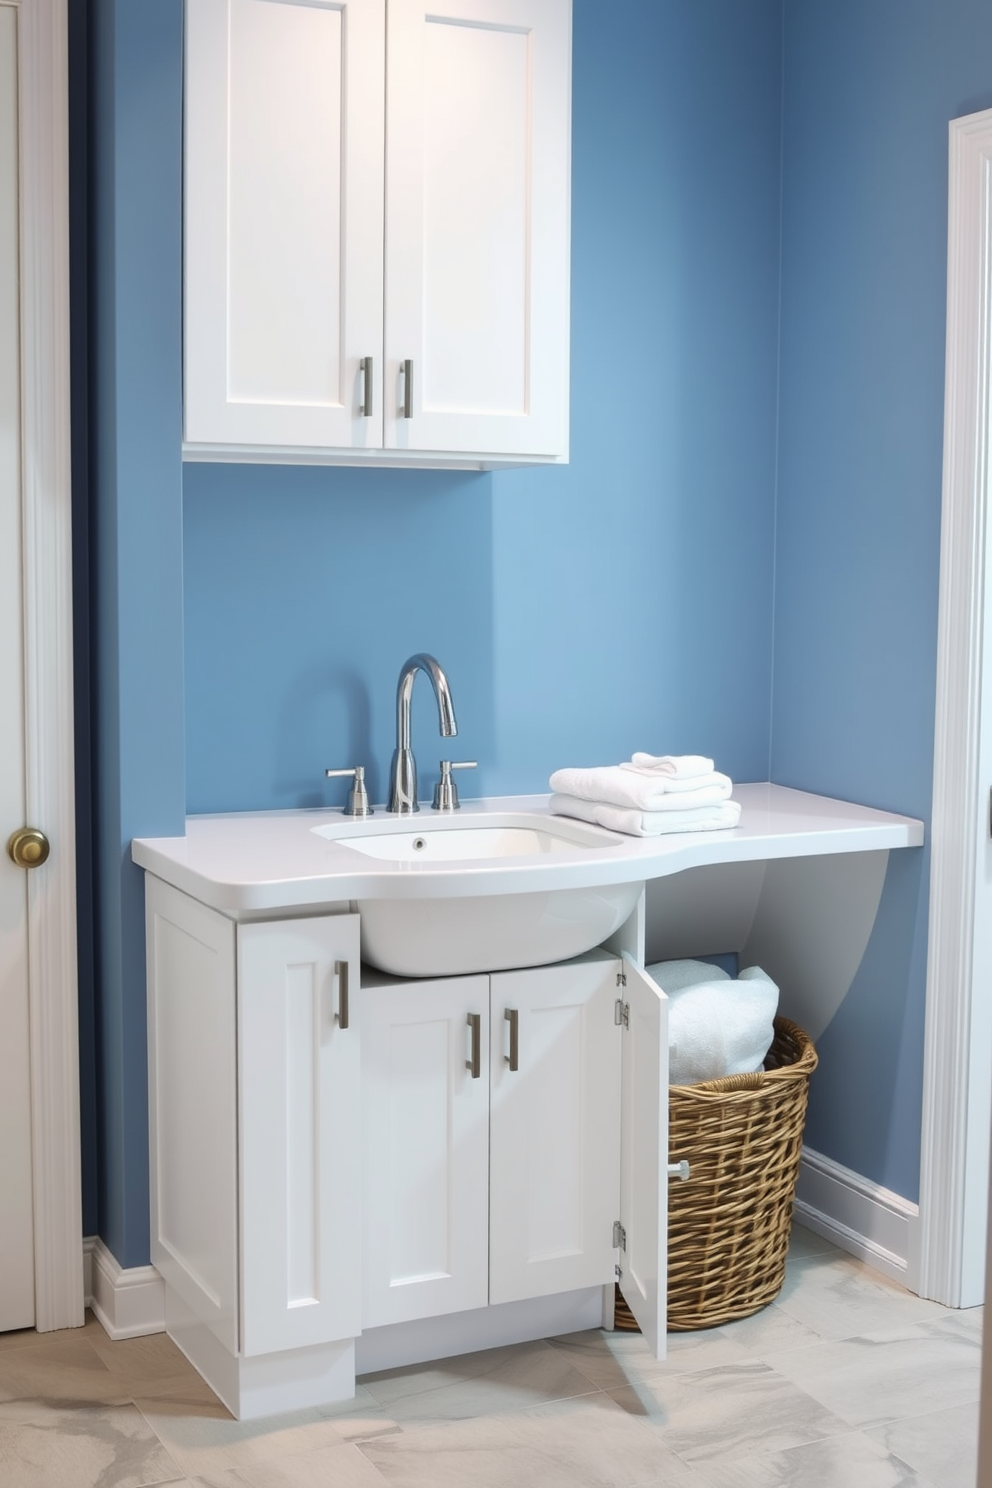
{"points": [[46, 567], [957, 1089], [17, 1207]]}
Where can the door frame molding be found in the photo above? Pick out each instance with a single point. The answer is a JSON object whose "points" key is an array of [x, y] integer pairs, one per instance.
{"points": [[48, 675], [957, 1084]]}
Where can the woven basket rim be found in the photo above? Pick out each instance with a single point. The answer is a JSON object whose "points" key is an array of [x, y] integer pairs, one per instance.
{"points": [[800, 1069]]}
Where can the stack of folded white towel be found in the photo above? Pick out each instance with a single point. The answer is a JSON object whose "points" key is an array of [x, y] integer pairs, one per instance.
{"points": [[716, 1026], [648, 795]]}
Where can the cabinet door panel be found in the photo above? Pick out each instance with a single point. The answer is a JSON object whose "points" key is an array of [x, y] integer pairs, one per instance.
{"points": [[644, 1155], [477, 207], [555, 1129], [299, 1095], [192, 1104], [284, 107], [426, 1163]]}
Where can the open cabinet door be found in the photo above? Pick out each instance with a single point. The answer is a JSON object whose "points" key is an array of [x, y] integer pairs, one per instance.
{"points": [[644, 1154]]}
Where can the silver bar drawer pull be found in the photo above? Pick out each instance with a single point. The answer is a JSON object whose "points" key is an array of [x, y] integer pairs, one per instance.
{"points": [[474, 1064], [341, 972], [679, 1170], [366, 367], [407, 369], [512, 1016]]}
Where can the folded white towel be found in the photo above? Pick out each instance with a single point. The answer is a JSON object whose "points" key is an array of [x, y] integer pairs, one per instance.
{"points": [[718, 1027], [647, 823], [672, 766], [672, 976], [618, 787], [674, 789]]}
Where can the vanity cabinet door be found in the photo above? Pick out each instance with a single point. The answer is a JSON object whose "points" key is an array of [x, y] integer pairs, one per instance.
{"points": [[299, 1097], [555, 1137], [644, 1154], [477, 192], [425, 1127], [283, 223]]}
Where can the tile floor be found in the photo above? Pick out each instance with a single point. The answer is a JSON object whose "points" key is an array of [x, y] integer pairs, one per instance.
{"points": [[846, 1380]]}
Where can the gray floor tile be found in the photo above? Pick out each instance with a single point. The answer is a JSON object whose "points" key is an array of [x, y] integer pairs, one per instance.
{"points": [[882, 1377], [942, 1444], [838, 1297], [804, 1242], [204, 1438], [612, 1360], [498, 1381], [725, 1413], [584, 1443], [47, 1446], [340, 1466], [839, 1462]]}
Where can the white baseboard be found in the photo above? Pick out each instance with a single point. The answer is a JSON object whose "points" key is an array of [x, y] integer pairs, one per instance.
{"points": [[878, 1226], [127, 1303]]}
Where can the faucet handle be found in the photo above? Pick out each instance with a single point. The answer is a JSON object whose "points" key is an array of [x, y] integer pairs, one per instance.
{"points": [[446, 791], [358, 799]]}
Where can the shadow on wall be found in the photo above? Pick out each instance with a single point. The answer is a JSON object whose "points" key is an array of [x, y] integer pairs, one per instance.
{"points": [[306, 588]]}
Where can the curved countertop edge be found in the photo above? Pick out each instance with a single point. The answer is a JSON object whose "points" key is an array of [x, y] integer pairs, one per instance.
{"points": [[251, 862]]}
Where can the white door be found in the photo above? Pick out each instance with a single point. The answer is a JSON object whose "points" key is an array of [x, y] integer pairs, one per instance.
{"points": [[555, 1136], [16, 1227], [425, 1171], [283, 222], [644, 1155], [300, 1150], [477, 189]]}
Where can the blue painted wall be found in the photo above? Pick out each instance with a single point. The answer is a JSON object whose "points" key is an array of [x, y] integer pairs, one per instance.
{"points": [[302, 590], [869, 89], [136, 554], [582, 612]]}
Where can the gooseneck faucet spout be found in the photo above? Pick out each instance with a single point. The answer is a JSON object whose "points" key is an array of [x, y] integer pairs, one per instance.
{"points": [[403, 773]]}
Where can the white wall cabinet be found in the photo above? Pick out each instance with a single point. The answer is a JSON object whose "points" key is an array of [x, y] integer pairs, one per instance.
{"points": [[330, 1161], [376, 230]]}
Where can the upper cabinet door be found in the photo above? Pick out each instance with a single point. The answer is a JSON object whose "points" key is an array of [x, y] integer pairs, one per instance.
{"points": [[283, 222], [644, 1155], [477, 210]]}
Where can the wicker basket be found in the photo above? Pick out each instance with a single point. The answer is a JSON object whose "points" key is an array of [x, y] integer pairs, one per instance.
{"points": [[728, 1227]]}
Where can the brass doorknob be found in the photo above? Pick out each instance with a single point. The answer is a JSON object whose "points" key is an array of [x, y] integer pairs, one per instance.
{"points": [[28, 848]]}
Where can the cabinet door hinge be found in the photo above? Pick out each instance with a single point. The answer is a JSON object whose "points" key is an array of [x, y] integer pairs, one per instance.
{"points": [[621, 1013], [619, 1236], [621, 978], [619, 1273]]}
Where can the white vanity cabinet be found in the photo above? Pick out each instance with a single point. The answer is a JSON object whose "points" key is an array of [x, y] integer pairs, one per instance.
{"points": [[376, 230]]}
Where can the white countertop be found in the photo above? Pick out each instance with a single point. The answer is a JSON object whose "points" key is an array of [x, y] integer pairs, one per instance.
{"points": [[273, 860]]}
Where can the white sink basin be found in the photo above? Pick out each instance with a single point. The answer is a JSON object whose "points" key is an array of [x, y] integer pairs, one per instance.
{"points": [[450, 934], [444, 844]]}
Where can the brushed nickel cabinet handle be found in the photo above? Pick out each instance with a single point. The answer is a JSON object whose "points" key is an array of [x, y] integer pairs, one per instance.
{"points": [[512, 1016], [474, 1065], [407, 389], [341, 972], [366, 366]]}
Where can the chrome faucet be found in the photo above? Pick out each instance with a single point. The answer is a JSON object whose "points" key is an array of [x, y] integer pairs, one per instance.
{"points": [[403, 772]]}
